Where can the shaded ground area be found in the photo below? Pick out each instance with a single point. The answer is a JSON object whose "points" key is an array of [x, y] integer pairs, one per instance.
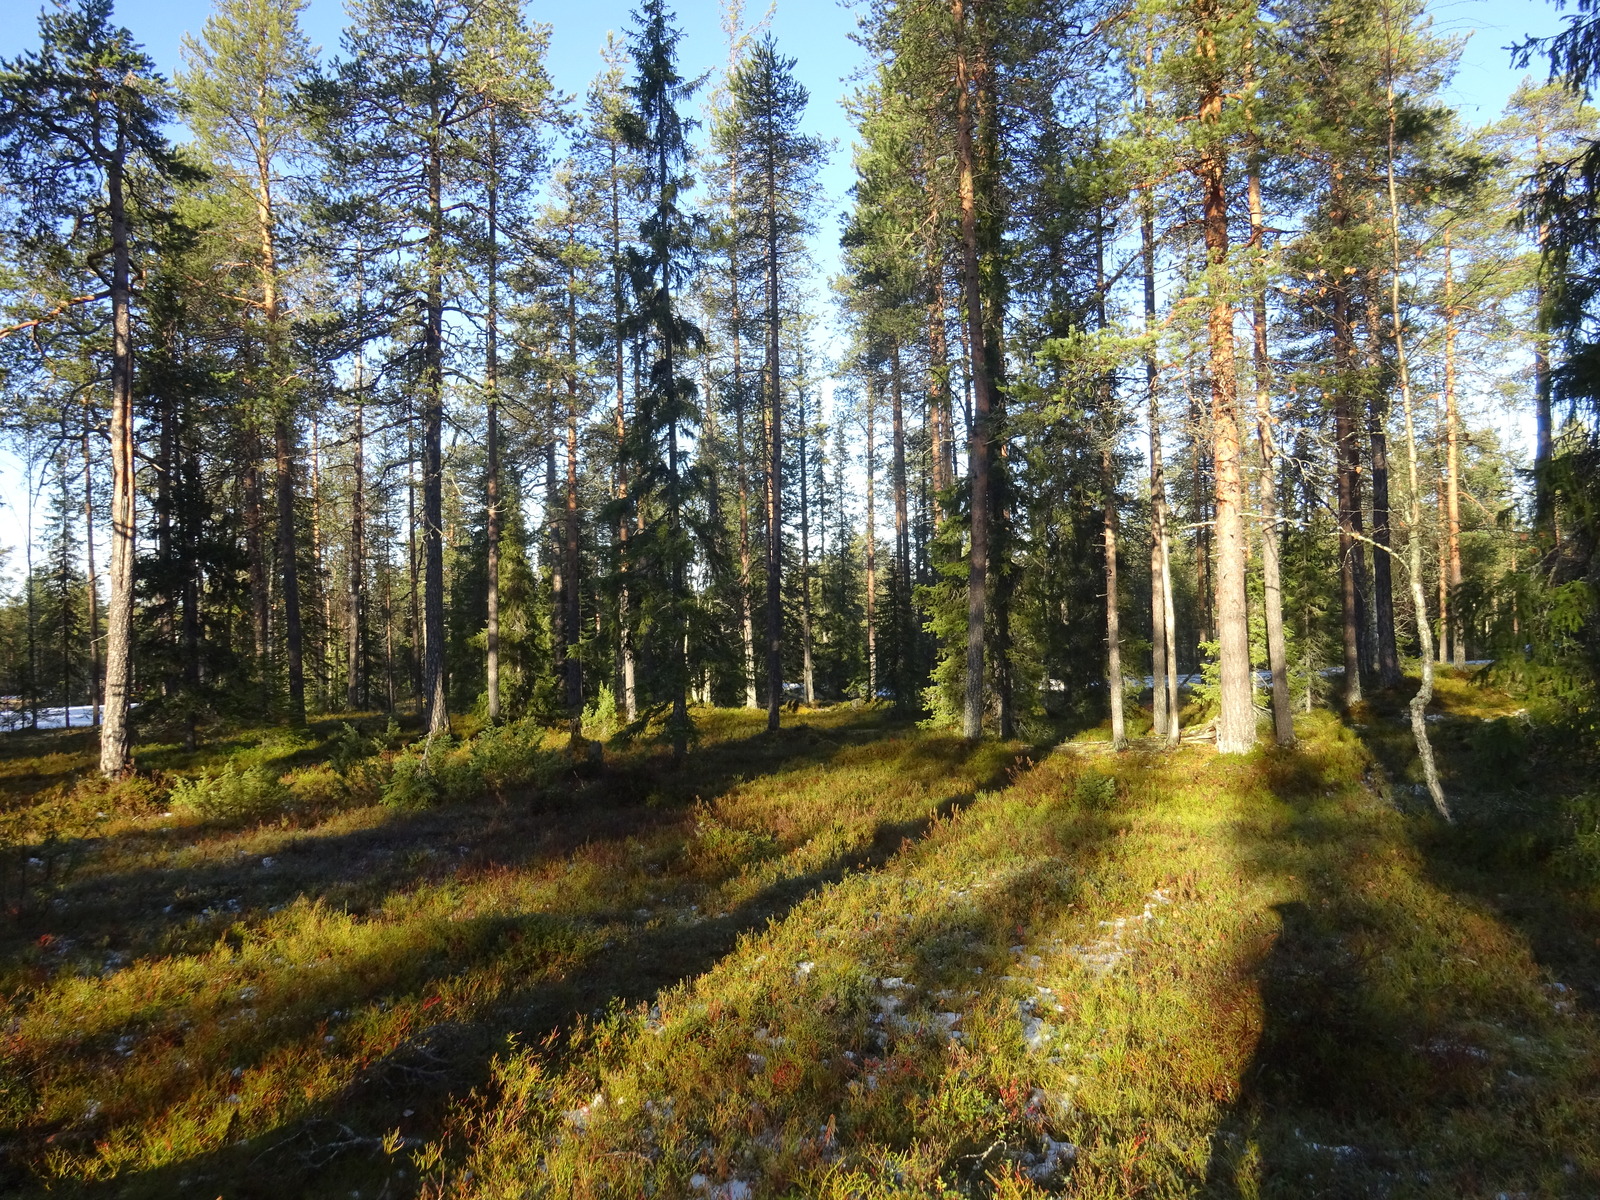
{"points": [[854, 959]]}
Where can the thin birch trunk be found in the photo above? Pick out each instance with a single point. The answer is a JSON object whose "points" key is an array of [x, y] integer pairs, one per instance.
{"points": [[1419, 702]]}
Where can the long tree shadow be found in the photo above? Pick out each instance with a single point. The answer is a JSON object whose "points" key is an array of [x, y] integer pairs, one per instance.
{"points": [[418, 1079], [1396, 1029], [1321, 1079], [134, 911], [1510, 852]]}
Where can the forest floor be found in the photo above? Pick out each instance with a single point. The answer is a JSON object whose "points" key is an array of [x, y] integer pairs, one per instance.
{"points": [[854, 958]]}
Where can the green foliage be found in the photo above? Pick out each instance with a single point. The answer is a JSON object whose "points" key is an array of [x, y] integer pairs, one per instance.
{"points": [[501, 758], [235, 793], [1094, 789], [411, 784], [600, 716], [349, 748], [1579, 858]]}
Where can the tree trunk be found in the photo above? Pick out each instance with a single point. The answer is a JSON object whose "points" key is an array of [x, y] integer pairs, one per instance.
{"points": [[115, 735], [1452, 467], [491, 379], [417, 634], [808, 678], [872, 538], [255, 544], [93, 588], [1419, 702], [1119, 731], [1272, 584], [326, 656], [284, 490], [1164, 634], [433, 675], [282, 436], [573, 625], [773, 412], [1441, 539], [554, 553], [939, 432], [978, 452], [746, 615], [630, 700], [1348, 468], [355, 569], [193, 583], [1236, 723], [1544, 433], [901, 598], [1388, 656]]}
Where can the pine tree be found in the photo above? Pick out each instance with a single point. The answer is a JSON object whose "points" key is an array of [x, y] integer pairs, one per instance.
{"points": [[81, 143], [241, 98], [772, 199], [402, 120]]}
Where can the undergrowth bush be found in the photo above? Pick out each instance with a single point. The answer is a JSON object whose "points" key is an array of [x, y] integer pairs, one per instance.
{"points": [[600, 718], [317, 788], [411, 785], [1094, 789], [501, 758], [235, 793], [1579, 857], [718, 844]]}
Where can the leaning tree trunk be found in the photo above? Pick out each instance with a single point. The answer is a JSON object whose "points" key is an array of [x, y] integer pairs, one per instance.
{"points": [[1419, 702]]}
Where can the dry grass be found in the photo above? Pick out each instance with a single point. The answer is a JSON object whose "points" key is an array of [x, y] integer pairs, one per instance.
{"points": [[853, 959]]}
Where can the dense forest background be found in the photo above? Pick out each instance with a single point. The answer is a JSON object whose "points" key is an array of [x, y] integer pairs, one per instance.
{"points": [[1174, 350]]}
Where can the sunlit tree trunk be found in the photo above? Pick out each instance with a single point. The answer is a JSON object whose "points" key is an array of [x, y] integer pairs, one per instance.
{"points": [[1271, 579], [1236, 722], [115, 734], [1452, 459]]}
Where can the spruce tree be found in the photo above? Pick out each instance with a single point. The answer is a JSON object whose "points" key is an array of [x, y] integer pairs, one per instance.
{"points": [[660, 269]]}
